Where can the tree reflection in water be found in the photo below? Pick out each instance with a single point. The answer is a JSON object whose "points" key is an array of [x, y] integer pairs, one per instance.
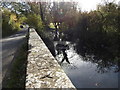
{"points": [[104, 60]]}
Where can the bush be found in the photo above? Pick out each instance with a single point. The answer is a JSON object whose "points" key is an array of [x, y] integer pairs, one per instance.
{"points": [[10, 23], [34, 20]]}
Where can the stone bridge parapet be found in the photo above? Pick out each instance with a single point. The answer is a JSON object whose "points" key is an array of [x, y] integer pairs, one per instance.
{"points": [[43, 71]]}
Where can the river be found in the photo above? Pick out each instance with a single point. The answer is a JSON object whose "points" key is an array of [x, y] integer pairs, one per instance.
{"points": [[87, 74]]}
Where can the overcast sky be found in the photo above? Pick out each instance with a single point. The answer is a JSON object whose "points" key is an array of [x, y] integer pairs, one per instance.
{"points": [[87, 5]]}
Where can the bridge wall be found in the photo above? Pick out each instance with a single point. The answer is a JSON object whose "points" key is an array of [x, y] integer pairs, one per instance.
{"points": [[43, 71]]}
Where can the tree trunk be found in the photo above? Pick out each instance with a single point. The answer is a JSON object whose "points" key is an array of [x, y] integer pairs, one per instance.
{"points": [[41, 12]]}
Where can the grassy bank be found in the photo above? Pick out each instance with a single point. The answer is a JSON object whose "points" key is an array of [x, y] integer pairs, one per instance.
{"points": [[15, 78]]}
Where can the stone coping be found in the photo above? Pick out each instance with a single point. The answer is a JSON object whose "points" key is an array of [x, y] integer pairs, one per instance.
{"points": [[43, 71]]}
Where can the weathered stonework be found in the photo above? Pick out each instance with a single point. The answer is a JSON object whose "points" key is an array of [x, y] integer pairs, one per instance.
{"points": [[43, 71]]}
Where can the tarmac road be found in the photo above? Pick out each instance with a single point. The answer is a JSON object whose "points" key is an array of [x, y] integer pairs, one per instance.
{"points": [[9, 47]]}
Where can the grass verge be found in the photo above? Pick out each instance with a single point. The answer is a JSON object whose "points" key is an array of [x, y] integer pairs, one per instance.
{"points": [[17, 73]]}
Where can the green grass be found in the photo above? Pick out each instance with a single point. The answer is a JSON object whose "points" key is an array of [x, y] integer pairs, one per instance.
{"points": [[17, 74]]}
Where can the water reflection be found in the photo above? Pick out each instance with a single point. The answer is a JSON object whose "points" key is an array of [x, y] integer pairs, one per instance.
{"points": [[104, 60], [60, 47], [89, 71]]}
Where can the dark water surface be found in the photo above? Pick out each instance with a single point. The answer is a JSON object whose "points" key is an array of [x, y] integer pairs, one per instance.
{"points": [[86, 74]]}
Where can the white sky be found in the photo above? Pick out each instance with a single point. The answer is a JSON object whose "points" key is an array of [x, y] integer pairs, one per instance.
{"points": [[87, 5]]}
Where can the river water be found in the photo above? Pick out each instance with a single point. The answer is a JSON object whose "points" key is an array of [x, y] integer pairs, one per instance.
{"points": [[86, 74]]}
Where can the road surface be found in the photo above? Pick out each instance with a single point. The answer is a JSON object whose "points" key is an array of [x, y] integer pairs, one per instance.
{"points": [[9, 47]]}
